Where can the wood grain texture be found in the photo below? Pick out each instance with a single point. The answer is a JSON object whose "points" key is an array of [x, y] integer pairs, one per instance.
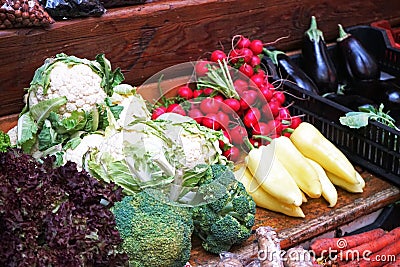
{"points": [[145, 39]]}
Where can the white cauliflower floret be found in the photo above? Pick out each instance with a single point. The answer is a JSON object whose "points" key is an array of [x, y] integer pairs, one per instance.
{"points": [[193, 149], [77, 154], [79, 83]]}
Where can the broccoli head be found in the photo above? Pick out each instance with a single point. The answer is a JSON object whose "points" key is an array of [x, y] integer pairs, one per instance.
{"points": [[154, 233], [229, 219]]}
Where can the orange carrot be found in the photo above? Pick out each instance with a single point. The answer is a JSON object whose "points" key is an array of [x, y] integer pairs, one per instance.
{"points": [[379, 258], [370, 247], [395, 263], [338, 244]]}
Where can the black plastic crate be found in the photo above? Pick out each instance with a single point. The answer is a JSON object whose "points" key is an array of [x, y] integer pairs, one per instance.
{"points": [[375, 147]]}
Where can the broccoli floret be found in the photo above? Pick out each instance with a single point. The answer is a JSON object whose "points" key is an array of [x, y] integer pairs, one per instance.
{"points": [[154, 233], [5, 142], [228, 220]]}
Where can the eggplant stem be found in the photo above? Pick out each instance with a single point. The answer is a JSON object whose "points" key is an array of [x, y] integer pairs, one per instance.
{"points": [[313, 33], [273, 55], [342, 33]]}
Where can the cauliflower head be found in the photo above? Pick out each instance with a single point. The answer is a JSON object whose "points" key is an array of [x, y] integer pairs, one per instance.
{"points": [[83, 82], [82, 93]]}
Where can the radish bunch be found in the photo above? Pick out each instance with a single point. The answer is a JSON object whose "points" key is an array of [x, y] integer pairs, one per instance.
{"points": [[233, 93]]}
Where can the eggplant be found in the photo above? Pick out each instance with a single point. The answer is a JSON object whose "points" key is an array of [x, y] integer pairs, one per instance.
{"points": [[359, 62], [270, 68], [290, 70], [317, 62], [391, 99], [352, 102]]}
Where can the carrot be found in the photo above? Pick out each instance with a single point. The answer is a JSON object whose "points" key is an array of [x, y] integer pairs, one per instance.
{"points": [[370, 247], [338, 244], [395, 263], [379, 258]]}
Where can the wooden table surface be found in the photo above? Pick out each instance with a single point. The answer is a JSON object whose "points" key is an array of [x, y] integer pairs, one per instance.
{"points": [[319, 218]]}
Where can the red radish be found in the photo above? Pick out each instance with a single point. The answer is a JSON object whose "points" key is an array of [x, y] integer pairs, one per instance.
{"points": [[279, 96], [223, 119], [294, 122], [209, 105], [196, 114], [261, 72], [248, 98], [230, 104], [257, 79], [267, 93], [211, 121], [208, 91], [201, 68], [218, 55], [158, 112], [243, 42], [284, 114], [246, 54], [251, 117], [219, 98], [247, 70], [171, 107], [185, 92], [243, 106], [273, 108], [256, 46], [197, 93], [176, 108], [233, 154], [269, 85], [255, 61], [275, 126], [240, 85], [261, 128], [237, 134], [234, 56]]}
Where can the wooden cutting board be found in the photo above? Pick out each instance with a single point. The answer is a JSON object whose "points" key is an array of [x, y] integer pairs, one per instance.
{"points": [[319, 218]]}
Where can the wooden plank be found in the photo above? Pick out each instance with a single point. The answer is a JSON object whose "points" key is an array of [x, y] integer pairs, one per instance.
{"points": [[144, 39]]}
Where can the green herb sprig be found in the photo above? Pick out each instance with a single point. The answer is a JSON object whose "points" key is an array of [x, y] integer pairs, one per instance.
{"points": [[358, 119]]}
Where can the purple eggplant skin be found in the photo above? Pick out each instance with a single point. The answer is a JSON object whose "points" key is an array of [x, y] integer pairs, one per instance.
{"points": [[317, 62], [291, 71], [270, 68], [359, 63]]}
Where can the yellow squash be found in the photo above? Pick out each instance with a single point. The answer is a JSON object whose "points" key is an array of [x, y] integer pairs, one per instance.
{"points": [[312, 144], [297, 165], [273, 176], [262, 198]]}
